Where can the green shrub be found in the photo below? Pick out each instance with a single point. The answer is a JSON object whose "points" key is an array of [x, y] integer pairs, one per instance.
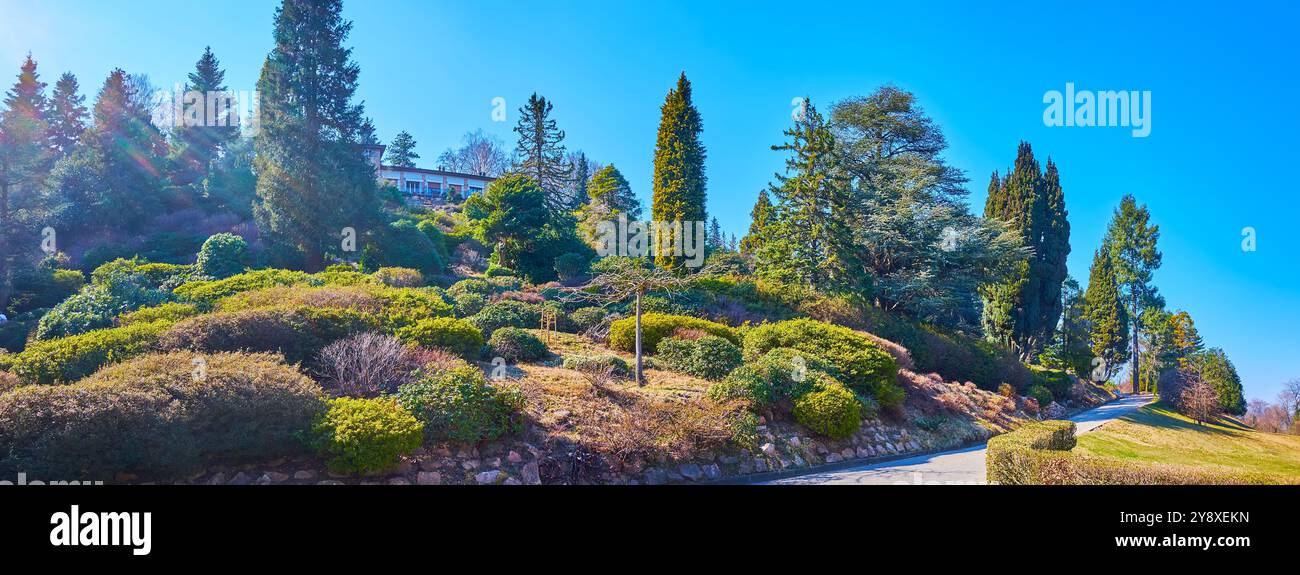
{"points": [[1015, 458], [502, 284], [455, 335], [832, 410], [222, 255], [401, 307], [460, 405], [583, 319], [209, 291], [92, 308], [170, 312], [571, 265], [655, 327], [1041, 394], [861, 363], [365, 435], [506, 313], [468, 304], [342, 276], [709, 357], [152, 416], [399, 277], [494, 271], [470, 285], [402, 244], [591, 363], [515, 344], [71, 358], [780, 374], [1057, 382], [42, 287], [297, 332]]}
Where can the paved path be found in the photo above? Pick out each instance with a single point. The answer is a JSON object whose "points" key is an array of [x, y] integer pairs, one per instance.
{"points": [[957, 467]]}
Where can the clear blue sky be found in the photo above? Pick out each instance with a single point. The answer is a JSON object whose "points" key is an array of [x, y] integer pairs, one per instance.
{"points": [[1218, 159]]}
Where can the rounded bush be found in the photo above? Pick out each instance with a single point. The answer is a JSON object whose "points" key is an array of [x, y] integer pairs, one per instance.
{"points": [[365, 435], [468, 304], [833, 411], [459, 404], [470, 285], [71, 358], [170, 312], [583, 319], [571, 265], [455, 335], [297, 332], [399, 277], [495, 270], [656, 326], [709, 357], [1042, 395], [780, 374], [159, 414], [208, 291], [506, 313], [515, 344], [592, 363], [222, 256], [861, 363]]}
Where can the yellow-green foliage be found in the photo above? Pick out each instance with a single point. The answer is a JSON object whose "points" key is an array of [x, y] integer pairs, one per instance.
{"points": [[296, 331], [391, 308], [170, 311], [213, 290], [832, 410], [399, 277], [459, 404], [859, 362], [365, 435], [68, 359], [155, 414], [455, 335], [1016, 458], [657, 326]]}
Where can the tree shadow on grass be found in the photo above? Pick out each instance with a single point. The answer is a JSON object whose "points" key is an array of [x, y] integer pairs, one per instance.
{"points": [[1163, 416]]}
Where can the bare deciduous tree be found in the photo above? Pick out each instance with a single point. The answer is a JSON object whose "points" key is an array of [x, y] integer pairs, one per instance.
{"points": [[479, 153], [1199, 401]]}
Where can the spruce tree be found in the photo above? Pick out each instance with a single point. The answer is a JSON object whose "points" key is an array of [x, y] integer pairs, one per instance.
{"points": [[540, 154], [579, 178], [401, 153], [759, 217], [1187, 340], [67, 115], [131, 151], [24, 158], [716, 241], [679, 180], [200, 136], [1023, 312], [1104, 314], [1135, 256], [313, 182]]}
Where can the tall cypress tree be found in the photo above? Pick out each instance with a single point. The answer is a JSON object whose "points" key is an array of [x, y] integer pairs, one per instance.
{"points": [[1023, 312], [1133, 252], [312, 180], [540, 154], [679, 180], [24, 158], [1104, 313], [579, 179], [67, 115]]}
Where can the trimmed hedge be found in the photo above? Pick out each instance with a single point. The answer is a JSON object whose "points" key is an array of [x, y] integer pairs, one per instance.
{"points": [[583, 319], [657, 326], [709, 357], [209, 291], [71, 358], [861, 364], [832, 410], [297, 332], [171, 312], [455, 335], [1015, 458], [365, 435], [152, 416], [458, 404]]}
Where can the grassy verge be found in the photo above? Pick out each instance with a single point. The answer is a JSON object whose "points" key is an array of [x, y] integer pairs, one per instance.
{"points": [[1158, 434]]}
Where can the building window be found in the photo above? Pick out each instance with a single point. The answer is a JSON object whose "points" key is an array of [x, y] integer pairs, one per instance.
{"points": [[413, 188]]}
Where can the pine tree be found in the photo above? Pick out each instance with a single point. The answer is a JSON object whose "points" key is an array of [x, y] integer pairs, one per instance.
{"points": [[1026, 308], [312, 180], [67, 117], [609, 196], [1217, 370], [716, 241], [1187, 340], [811, 199], [401, 153], [679, 180], [24, 158], [540, 154], [759, 217], [1133, 253], [131, 151], [200, 133], [579, 178], [1105, 315]]}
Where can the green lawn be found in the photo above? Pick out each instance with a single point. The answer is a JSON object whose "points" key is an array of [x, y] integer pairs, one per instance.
{"points": [[1158, 434]]}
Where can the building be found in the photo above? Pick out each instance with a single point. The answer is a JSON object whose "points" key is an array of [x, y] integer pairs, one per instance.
{"points": [[423, 186]]}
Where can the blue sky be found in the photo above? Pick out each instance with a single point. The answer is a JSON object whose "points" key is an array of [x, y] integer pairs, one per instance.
{"points": [[1222, 79]]}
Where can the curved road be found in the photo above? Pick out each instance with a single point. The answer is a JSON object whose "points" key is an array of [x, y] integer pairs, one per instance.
{"points": [[957, 467]]}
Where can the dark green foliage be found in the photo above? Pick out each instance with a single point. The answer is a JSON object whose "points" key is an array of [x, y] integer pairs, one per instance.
{"points": [[679, 180], [364, 435], [1057, 382], [71, 358], [540, 155], [1216, 369], [471, 285], [832, 410], [495, 271], [459, 405], [1042, 395], [583, 319], [1106, 317], [468, 304], [151, 416], [198, 143], [861, 363], [67, 115], [222, 255], [455, 335], [593, 363], [777, 376], [571, 265], [514, 344], [401, 152], [709, 357], [403, 244], [506, 313], [1131, 242]]}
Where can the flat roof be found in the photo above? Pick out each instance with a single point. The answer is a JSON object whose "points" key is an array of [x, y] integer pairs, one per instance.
{"points": [[437, 172]]}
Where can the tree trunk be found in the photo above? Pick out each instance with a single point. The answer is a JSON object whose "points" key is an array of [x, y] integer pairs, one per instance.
{"points": [[640, 381], [1136, 360], [6, 267]]}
